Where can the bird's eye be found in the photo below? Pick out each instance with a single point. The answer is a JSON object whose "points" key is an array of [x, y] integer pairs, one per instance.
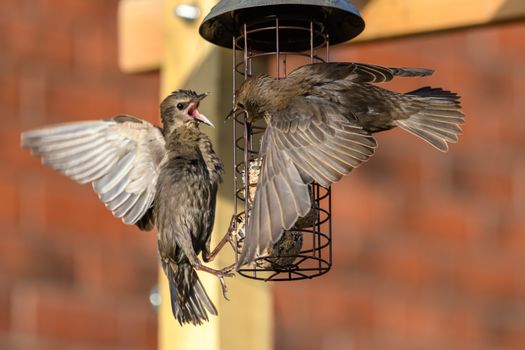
{"points": [[180, 106]]}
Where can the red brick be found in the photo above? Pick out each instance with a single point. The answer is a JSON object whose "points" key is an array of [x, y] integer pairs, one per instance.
{"points": [[406, 264], [56, 261], [9, 91], [405, 170], [137, 324], [296, 299], [445, 220], [358, 306], [504, 325], [448, 247], [514, 338], [70, 100], [22, 342], [142, 96], [358, 203], [9, 202], [9, 8], [32, 258], [5, 306], [15, 255], [419, 322], [512, 236], [94, 47], [115, 272], [23, 308], [410, 319], [488, 182], [491, 277], [75, 210], [31, 197], [518, 185], [23, 31], [87, 220], [32, 95], [464, 328], [342, 339], [58, 50], [511, 45], [55, 68], [78, 10], [427, 246], [62, 314], [22, 34], [10, 151]]}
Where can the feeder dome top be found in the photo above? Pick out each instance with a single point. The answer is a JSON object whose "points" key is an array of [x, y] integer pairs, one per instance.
{"points": [[339, 18]]}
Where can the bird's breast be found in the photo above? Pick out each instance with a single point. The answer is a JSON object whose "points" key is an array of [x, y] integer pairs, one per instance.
{"points": [[181, 171], [183, 199]]}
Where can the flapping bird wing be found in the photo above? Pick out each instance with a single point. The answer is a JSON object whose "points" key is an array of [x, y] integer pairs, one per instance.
{"points": [[309, 140], [319, 73], [429, 113], [120, 156]]}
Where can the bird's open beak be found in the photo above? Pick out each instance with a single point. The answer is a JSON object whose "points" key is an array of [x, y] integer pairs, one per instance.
{"points": [[232, 112], [194, 112], [202, 96]]}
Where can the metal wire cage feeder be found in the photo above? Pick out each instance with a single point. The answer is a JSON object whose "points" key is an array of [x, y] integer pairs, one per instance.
{"points": [[300, 32]]}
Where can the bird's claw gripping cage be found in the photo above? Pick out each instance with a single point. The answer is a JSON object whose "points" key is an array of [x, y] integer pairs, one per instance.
{"points": [[292, 33]]}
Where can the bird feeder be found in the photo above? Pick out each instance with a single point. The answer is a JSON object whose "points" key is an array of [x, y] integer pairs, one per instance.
{"points": [[279, 33]]}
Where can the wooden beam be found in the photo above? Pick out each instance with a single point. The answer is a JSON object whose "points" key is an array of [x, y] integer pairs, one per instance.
{"points": [[246, 321], [394, 18], [140, 32]]}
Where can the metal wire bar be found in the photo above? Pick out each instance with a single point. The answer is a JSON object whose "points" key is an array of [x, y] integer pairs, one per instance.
{"points": [[315, 255], [234, 137], [277, 56]]}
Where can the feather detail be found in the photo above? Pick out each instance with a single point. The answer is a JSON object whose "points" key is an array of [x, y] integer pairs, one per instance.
{"points": [[121, 157]]}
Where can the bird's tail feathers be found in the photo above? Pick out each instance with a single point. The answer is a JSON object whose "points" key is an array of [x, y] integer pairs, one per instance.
{"points": [[189, 301], [438, 119]]}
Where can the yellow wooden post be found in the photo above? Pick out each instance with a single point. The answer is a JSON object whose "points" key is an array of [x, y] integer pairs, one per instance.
{"points": [[245, 322], [141, 33], [393, 18]]}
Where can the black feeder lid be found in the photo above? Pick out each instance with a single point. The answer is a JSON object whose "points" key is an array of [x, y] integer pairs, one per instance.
{"points": [[340, 20]]}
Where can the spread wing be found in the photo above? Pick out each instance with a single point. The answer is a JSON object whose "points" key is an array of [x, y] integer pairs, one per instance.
{"points": [[308, 141], [319, 73], [120, 156]]}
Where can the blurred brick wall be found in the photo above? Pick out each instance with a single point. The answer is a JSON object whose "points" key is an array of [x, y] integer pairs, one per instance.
{"points": [[429, 248], [72, 276]]}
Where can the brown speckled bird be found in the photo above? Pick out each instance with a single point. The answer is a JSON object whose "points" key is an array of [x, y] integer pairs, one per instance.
{"points": [[150, 176], [320, 121]]}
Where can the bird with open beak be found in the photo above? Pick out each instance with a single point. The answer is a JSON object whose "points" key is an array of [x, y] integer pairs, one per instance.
{"points": [[320, 121], [149, 176]]}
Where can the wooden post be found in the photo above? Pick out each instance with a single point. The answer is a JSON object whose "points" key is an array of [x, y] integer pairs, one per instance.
{"points": [[245, 322], [394, 18], [140, 32]]}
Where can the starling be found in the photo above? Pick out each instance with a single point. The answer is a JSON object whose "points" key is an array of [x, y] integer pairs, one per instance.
{"points": [[281, 255], [149, 176], [320, 121]]}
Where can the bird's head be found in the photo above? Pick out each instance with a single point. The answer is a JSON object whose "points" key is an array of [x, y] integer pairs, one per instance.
{"points": [[251, 95], [180, 108], [244, 93]]}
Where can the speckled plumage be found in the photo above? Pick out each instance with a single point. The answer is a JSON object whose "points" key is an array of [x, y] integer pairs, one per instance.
{"points": [[150, 176], [184, 212], [320, 121]]}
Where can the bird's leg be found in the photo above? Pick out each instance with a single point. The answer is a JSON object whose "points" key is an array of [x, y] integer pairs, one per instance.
{"points": [[220, 274], [226, 239]]}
